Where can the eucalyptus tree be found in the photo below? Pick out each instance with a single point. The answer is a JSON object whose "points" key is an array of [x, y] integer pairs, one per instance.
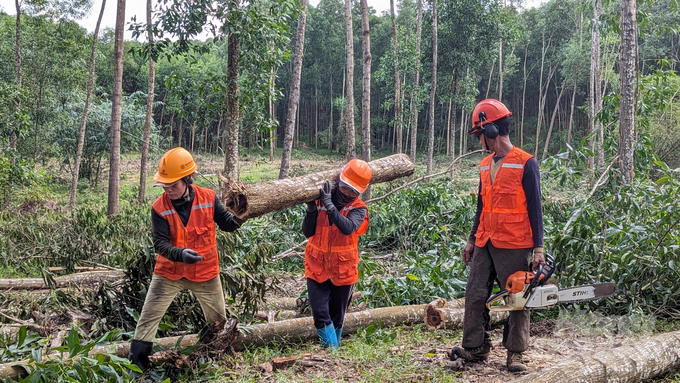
{"points": [[366, 91], [86, 111], [294, 98], [627, 103], [349, 110], [116, 109], [397, 80], [595, 88], [433, 89], [415, 106], [149, 107]]}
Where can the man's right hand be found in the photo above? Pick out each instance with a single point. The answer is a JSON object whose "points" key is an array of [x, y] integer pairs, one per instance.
{"points": [[467, 252], [190, 257]]}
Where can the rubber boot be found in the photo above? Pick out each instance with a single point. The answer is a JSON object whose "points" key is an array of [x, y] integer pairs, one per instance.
{"points": [[139, 354], [328, 337], [338, 335]]}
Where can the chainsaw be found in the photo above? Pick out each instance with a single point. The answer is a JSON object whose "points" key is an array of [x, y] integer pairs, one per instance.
{"points": [[526, 290]]}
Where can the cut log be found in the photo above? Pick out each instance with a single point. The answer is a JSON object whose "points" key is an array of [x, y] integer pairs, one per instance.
{"points": [[78, 279], [266, 197], [646, 359], [440, 314]]}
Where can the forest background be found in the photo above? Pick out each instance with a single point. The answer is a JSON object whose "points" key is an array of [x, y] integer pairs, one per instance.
{"points": [[276, 92]]}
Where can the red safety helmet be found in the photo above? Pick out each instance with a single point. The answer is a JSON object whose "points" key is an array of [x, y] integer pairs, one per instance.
{"points": [[357, 174], [487, 111]]}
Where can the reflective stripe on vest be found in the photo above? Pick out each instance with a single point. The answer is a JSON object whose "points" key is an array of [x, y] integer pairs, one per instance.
{"points": [[504, 219], [198, 235], [329, 253]]}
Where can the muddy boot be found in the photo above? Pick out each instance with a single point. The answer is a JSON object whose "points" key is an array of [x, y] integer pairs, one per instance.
{"points": [[139, 355], [514, 362]]}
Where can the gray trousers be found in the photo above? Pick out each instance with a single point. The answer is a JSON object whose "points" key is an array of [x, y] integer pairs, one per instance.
{"points": [[161, 293], [491, 264]]}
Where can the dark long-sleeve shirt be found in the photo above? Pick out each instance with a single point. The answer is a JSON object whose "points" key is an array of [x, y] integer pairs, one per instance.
{"points": [[160, 228], [531, 183], [346, 225]]}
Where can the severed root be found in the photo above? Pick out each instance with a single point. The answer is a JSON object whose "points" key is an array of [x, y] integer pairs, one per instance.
{"points": [[234, 197]]}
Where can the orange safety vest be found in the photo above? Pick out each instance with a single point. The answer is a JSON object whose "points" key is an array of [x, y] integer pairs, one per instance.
{"points": [[198, 235], [329, 253], [504, 218]]}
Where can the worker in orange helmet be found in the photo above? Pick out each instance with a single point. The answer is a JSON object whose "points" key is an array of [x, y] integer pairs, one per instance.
{"points": [[506, 236], [333, 224], [183, 222]]}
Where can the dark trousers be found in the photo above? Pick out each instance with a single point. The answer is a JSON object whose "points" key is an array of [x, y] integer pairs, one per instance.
{"points": [[491, 264], [329, 302]]}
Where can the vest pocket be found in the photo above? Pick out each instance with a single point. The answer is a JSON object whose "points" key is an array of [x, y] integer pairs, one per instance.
{"points": [[198, 238], [505, 199], [347, 264]]}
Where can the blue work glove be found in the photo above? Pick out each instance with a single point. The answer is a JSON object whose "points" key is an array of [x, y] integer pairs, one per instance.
{"points": [[190, 257], [325, 196]]}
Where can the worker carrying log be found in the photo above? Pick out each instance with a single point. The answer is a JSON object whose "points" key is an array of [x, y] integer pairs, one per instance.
{"points": [[507, 234], [183, 222], [333, 224]]}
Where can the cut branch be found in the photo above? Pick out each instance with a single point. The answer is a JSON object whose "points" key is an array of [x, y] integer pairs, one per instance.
{"points": [[266, 197], [63, 281]]}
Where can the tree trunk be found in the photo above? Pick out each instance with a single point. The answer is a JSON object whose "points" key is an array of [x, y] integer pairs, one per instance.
{"points": [[294, 96], [17, 47], [330, 120], [349, 112], [644, 359], [571, 112], [83, 122], [524, 93], [488, 84], [415, 105], [266, 197], [449, 145], [366, 94], [232, 129], [627, 106], [149, 108], [272, 129], [443, 315], [433, 90], [552, 121], [500, 69], [77, 279], [116, 111], [397, 82], [544, 49], [595, 87]]}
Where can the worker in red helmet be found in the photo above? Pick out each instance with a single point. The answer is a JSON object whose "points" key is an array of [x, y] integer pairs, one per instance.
{"points": [[183, 225], [506, 236], [333, 224]]}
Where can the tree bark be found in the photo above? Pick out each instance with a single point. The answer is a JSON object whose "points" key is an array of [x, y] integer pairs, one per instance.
{"points": [[397, 82], [645, 359], [627, 105], [415, 105], [266, 197], [86, 111], [116, 111], [524, 93], [571, 112], [500, 69], [233, 105], [17, 47], [595, 88], [294, 97], [149, 108], [443, 315], [366, 95], [349, 111], [433, 90], [77, 279]]}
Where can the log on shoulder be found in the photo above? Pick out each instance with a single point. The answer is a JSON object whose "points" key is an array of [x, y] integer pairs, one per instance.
{"points": [[254, 200]]}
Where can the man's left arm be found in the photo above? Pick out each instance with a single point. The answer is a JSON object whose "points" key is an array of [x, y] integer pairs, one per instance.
{"points": [[531, 183], [224, 218]]}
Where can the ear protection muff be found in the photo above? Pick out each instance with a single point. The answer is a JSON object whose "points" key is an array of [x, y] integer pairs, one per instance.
{"points": [[490, 129]]}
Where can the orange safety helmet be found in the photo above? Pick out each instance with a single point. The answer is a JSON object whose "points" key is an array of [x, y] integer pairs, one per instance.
{"points": [[175, 164], [357, 174], [487, 111]]}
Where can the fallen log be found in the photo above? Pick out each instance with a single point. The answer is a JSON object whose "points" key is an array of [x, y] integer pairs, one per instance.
{"points": [[441, 314], [645, 359], [254, 200], [77, 279]]}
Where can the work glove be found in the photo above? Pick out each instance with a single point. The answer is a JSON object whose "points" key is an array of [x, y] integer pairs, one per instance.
{"points": [[311, 207], [325, 196], [190, 257]]}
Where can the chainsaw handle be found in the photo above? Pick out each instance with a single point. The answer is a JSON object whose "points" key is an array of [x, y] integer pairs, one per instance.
{"points": [[496, 297], [535, 281]]}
